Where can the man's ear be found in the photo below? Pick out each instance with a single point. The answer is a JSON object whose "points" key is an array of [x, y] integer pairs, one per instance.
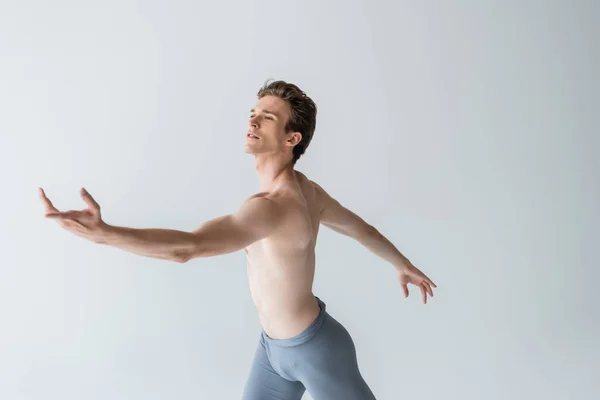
{"points": [[294, 138]]}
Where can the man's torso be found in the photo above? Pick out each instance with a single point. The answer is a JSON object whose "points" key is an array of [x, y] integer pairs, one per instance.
{"points": [[281, 267]]}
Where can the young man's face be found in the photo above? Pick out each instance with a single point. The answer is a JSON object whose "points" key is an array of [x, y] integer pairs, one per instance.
{"points": [[266, 127]]}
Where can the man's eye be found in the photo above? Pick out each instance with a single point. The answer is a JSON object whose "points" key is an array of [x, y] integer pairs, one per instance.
{"points": [[267, 117]]}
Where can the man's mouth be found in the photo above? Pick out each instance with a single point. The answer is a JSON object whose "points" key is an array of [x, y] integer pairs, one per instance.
{"points": [[251, 135]]}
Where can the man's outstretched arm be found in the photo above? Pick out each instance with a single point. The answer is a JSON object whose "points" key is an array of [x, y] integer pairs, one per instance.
{"points": [[342, 220], [256, 218]]}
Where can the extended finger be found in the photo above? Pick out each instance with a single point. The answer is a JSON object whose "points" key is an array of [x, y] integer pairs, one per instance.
{"points": [[89, 200], [423, 294], [430, 281], [47, 203], [428, 288]]}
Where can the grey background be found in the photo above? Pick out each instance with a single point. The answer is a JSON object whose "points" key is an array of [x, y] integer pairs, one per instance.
{"points": [[465, 131]]}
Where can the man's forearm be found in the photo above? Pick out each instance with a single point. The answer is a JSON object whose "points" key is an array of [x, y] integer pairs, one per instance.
{"points": [[165, 244], [382, 247]]}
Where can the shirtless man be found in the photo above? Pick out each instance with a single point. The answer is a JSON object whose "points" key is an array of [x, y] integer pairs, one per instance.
{"points": [[301, 346]]}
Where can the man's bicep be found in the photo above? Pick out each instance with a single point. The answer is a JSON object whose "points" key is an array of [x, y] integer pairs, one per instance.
{"points": [[255, 219]]}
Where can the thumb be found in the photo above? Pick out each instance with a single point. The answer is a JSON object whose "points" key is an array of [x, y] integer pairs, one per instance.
{"points": [[89, 200], [405, 290]]}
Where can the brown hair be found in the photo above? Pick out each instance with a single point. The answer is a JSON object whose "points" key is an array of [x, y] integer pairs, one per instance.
{"points": [[303, 112]]}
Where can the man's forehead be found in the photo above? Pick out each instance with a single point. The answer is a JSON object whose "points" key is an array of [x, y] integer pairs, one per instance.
{"points": [[272, 103]]}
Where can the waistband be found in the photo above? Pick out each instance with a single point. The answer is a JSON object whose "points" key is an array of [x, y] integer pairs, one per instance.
{"points": [[303, 336]]}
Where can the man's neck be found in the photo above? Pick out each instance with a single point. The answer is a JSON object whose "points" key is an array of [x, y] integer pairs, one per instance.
{"points": [[272, 171]]}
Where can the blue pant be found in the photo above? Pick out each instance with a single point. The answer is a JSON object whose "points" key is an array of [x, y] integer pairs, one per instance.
{"points": [[320, 359]]}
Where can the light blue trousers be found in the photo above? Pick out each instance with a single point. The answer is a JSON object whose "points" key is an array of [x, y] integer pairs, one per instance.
{"points": [[321, 359]]}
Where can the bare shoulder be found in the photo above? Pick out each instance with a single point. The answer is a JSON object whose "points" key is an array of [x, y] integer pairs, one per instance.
{"points": [[262, 206], [304, 179], [318, 189], [258, 197], [320, 195]]}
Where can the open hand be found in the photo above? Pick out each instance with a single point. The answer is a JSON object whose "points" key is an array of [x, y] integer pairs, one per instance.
{"points": [[85, 223], [411, 274]]}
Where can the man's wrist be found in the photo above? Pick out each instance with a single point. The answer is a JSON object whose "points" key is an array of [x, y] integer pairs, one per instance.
{"points": [[104, 233], [402, 265]]}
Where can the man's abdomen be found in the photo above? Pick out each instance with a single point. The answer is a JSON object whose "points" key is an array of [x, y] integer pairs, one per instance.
{"points": [[283, 298]]}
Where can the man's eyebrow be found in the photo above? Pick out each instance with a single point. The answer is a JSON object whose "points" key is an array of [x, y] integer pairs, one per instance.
{"points": [[267, 112]]}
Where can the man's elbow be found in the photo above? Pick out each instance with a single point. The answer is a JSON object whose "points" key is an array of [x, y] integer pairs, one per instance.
{"points": [[181, 257], [366, 232], [204, 250], [196, 251], [188, 251]]}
